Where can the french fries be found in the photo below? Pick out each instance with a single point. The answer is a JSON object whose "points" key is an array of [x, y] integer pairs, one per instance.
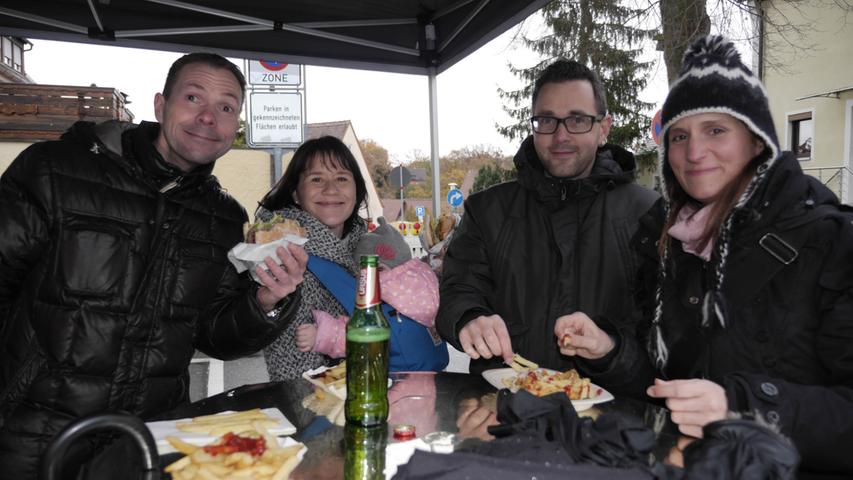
{"points": [[521, 364], [542, 382], [274, 463], [223, 423], [334, 376], [323, 404]]}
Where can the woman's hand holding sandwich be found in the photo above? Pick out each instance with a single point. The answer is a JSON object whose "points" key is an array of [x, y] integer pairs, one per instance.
{"points": [[280, 278], [279, 281]]}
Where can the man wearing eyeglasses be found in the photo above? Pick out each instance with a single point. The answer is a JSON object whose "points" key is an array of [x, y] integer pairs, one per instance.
{"points": [[554, 241]]}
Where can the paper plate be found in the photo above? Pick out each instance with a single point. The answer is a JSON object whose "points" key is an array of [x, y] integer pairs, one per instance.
{"points": [[497, 376], [165, 428]]}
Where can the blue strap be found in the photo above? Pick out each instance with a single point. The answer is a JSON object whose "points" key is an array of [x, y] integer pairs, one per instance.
{"points": [[412, 347], [338, 281], [341, 284]]}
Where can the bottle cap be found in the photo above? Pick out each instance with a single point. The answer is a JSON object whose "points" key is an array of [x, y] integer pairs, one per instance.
{"points": [[404, 432]]}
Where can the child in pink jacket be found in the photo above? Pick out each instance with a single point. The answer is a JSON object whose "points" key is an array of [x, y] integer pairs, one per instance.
{"points": [[408, 284]]}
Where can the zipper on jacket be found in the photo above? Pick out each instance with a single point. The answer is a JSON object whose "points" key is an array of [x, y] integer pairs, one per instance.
{"points": [[171, 185], [562, 192]]}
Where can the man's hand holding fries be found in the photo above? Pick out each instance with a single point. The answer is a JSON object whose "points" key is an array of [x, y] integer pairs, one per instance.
{"points": [[578, 335], [486, 337]]}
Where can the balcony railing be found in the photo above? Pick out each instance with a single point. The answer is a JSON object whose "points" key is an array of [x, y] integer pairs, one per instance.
{"points": [[44, 112], [836, 179]]}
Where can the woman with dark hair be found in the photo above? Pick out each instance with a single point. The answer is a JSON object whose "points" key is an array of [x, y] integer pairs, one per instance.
{"points": [[323, 189], [753, 266]]}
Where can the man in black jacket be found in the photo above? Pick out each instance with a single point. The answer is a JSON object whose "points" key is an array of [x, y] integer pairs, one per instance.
{"points": [[113, 265], [552, 242]]}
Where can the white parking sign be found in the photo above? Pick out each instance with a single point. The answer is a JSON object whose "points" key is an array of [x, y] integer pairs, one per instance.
{"points": [[275, 118]]}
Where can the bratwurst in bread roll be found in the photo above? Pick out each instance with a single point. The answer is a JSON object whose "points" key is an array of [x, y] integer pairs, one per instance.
{"points": [[277, 227]]}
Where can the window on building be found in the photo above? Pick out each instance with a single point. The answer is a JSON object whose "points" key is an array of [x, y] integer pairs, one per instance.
{"points": [[17, 57], [802, 135], [7, 50]]}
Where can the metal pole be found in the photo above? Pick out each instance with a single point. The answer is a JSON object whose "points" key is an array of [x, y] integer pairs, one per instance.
{"points": [[433, 135], [304, 72], [402, 200], [276, 162]]}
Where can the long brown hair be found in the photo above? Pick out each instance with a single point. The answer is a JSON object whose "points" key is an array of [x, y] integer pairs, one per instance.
{"points": [[729, 197]]}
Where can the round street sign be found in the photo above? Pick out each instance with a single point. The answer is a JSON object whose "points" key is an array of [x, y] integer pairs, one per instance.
{"points": [[273, 73], [273, 65], [399, 177], [656, 127], [455, 197]]}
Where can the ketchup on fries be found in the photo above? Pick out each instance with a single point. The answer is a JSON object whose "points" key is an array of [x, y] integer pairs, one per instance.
{"points": [[231, 442]]}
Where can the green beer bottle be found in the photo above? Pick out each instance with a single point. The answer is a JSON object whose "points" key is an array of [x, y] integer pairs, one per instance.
{"points": [[364, 452], [368, 334]]}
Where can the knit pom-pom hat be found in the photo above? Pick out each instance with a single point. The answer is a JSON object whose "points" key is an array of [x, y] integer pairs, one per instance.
{"points": [[386, 242], [713, 79]]}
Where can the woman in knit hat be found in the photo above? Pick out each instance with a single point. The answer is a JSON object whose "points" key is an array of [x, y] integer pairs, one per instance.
{"points": [[749, 292]]}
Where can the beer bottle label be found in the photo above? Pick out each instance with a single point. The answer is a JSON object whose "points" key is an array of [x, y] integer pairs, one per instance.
{"points": [[368, 288]]}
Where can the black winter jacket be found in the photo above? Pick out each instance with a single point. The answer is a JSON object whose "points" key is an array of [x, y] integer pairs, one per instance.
{"points": [[787, 349], [539, 247], [113, 269]]}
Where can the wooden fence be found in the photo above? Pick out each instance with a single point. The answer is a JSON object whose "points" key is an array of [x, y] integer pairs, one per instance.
{"points": [[44, 112]]}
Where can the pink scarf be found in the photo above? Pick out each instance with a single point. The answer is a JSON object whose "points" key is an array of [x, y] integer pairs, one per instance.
{"points": [[688, 228]]}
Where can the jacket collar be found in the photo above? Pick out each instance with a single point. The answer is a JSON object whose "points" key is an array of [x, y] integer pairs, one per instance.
{"points": [[134, 144], [785, 193], [613, 166]]}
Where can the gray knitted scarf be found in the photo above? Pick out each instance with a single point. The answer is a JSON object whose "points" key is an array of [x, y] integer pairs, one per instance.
{"points": [[284, 360]]}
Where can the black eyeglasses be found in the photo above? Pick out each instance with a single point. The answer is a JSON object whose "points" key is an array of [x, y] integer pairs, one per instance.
{"points": [[578, 123]]}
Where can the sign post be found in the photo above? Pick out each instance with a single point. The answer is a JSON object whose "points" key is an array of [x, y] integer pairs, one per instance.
{"points": [[275, 110], [263, 72], [275, 119], [420, 212], [656, 127], [455, 197], [399, 177]]}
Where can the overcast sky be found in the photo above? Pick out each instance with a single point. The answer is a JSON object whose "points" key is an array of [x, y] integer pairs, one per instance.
{"points": [[391, 109]]}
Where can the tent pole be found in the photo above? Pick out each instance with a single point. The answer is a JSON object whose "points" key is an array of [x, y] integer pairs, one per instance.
{"points": [[433, 136]]}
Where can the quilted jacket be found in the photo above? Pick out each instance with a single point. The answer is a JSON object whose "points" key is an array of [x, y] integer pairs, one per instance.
{"points": [[113, 271], [787, 349], [540, 247]]}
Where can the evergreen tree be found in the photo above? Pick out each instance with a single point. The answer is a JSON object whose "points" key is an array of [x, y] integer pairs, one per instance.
{"points": [[492, 174], [599, 34]]}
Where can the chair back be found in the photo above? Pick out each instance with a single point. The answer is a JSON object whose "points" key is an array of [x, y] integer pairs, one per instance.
{"points": [[128, 424]]}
